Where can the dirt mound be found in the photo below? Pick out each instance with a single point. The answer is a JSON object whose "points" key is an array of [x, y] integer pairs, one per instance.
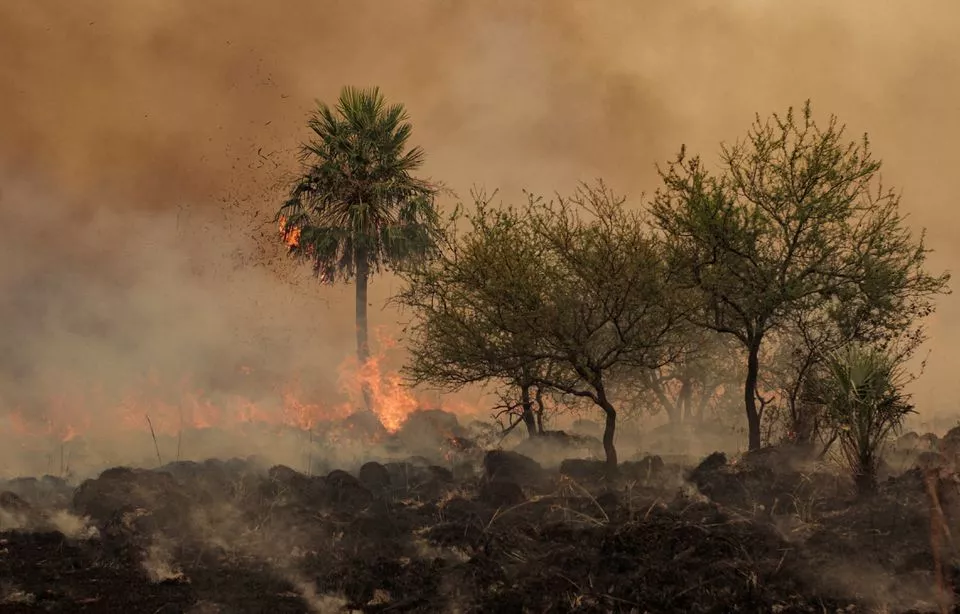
{"points": [[47, 492], [510, 466], [286, 486], [551, 447], [434, 434], [124, 489], [499, 493], [15, 513], [414, 537], [337, 491], [374, 476], [584, 469], [343, 491], [434, 423], [589, 428], [48, 572], [419, 480], [645, 470], [766, 483]]}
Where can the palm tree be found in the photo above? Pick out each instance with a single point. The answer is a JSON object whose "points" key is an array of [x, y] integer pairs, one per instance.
{"points": [[866, 403], [356, 207]]}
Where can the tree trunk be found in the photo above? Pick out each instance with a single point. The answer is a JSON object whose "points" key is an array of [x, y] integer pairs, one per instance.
{"points": [[539, 402], [803, 427], [673, 412], [803, 419], [609, 431], [363, 340], [866, 483], [750, 395], [528, 418], [705, 397], [685, 401], [865, 473]]}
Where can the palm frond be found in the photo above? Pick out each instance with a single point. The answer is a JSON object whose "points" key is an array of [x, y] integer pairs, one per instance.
{"points": [[865, 403], [356, 199]]}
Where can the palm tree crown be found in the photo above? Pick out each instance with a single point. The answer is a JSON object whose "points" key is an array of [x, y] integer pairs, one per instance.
{"points": [[357, 208]]}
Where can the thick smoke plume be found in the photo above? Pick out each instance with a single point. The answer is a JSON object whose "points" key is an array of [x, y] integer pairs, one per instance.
{"points": [[142, 146]]}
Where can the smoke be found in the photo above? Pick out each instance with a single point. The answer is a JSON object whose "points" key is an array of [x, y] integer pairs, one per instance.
{"points": [[143, 148]]}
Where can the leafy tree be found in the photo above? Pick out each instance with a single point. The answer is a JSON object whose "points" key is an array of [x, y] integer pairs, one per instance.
{"points": [[464, 302], [607, 305], [569, 294], [523, 402], [793, 369], [685, 387], [795, 372], [866, 403], [356, 207], [795, 363], [796, 221]]}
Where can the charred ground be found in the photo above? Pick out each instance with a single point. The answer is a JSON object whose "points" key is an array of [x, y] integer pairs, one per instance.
{"points": [[472, 530]]}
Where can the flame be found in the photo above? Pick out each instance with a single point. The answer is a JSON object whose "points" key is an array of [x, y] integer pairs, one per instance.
{"points": [[67, 417], [392, 401], [306, 416], [174, 405], [289, 236]]}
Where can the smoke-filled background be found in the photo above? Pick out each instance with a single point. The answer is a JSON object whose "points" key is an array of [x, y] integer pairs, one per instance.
{"points": [[143, 146]]}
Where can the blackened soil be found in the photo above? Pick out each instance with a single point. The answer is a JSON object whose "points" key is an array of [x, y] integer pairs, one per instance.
{"points": [[506, 536]]}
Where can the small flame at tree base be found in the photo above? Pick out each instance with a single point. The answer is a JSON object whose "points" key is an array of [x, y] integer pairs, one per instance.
{"points": [[392, 401]]}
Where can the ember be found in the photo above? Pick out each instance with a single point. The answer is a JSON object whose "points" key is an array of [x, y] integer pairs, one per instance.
{"points": [[290, 236]]}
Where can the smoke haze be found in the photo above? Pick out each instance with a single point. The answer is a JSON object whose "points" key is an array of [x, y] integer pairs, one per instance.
{"points": [[142, 146]]}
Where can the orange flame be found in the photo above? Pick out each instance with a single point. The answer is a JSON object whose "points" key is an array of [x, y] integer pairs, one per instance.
{"points": [[392, 400], [179, 405], [289, 236]]}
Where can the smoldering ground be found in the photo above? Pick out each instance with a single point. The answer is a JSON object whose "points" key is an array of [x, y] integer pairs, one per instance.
{"points": [[403, 536], [143, 146]]}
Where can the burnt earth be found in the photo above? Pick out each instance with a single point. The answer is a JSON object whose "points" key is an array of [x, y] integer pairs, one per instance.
{"points": [[511, 466], [231, 536]]}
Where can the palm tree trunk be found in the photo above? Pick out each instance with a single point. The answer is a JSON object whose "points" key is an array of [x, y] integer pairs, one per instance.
{"points": [[363, 339]]}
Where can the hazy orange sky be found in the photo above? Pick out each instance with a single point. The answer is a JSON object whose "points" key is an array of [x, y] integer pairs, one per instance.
{"points": [[141, 144]]}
